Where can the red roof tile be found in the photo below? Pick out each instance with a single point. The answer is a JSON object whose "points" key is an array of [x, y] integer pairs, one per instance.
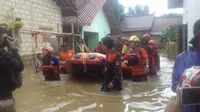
{"points": [[87, 10], [137, 23], [162, 23]]}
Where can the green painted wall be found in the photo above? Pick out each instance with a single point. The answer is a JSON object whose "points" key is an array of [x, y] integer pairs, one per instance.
{"points": [[100, 26]]}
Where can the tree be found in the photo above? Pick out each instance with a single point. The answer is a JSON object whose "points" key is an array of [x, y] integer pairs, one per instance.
{"points": [[146, 10], [121, 12], [138, 10], [171, 15], [131, 11]]}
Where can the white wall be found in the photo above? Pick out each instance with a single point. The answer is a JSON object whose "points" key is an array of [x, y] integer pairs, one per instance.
{"points": [[34, 13], [99, 25], [191, 14]]}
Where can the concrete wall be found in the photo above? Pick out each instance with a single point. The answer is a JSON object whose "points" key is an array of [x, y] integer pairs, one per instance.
{"points": [[191, 14], [35, 14], [99, 25]]}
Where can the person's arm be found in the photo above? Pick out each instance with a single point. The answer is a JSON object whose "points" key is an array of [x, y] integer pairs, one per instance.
{"points": [[12, 62], [176, 74], [55, 61], [125, 57], [143, 54]]}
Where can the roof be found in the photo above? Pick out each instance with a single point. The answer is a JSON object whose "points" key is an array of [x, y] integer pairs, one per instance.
{"points": [[137, 23], [162, 23], [87, 10]]}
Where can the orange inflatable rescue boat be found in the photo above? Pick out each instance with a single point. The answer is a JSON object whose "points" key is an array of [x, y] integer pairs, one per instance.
{"points": [[90, 63]]}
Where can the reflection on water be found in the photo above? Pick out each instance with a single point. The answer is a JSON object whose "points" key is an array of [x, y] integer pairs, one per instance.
{"points": [[83, 95]]}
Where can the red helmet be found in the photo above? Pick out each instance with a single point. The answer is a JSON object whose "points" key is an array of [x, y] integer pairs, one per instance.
{"points": [[124, 38], [146, 37], [152, 42], [49, 49]]}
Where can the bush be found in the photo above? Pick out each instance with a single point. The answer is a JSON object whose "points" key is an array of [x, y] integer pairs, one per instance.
{"points": [[169, 35]]}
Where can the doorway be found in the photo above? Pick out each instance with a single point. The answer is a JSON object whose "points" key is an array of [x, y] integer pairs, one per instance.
{"points": [[91, 40]]}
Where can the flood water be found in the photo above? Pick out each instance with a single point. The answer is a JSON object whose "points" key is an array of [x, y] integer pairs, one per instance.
{"points": [[83, 94]]}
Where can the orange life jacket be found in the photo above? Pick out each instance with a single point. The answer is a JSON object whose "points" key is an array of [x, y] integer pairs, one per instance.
{"points": [[139, 69], [64, 56]]}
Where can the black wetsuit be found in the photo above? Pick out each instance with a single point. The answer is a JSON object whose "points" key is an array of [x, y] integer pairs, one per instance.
{"points": [[10, 68], [112, 72]]}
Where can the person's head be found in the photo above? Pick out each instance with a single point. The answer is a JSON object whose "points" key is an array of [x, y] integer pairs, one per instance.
{"points": [[146, 37], [47, 50], [126, 43], [134, 42], [153, 43], [124, 40], [107, 43], [195, 41]]}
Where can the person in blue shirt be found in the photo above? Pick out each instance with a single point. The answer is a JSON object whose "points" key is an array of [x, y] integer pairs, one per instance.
{"points": [[187, 59], [50, 65]]}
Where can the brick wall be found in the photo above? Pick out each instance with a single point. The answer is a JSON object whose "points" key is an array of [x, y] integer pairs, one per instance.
{"points": [[35, 14]]}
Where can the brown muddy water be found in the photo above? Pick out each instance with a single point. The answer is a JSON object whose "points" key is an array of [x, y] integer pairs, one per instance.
{"points": [[83, 94]]}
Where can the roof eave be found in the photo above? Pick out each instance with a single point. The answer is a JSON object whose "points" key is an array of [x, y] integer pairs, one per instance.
{"points": [[156, 33], [135, 30]]}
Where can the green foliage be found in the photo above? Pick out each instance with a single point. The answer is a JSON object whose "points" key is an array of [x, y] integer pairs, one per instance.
{"points": [[169, 35], [118, 8], [138, 10], [140, 37], [171, 15], [121, 12]]}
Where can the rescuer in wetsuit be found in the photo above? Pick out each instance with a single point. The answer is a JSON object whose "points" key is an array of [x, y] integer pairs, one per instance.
{"points": [[136, 59], [11, 67], [112, 78], [50, 64]]}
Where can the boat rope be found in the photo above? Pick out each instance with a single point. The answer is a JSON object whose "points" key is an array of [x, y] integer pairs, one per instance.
{"points": [[84, 63], [85, 67]]}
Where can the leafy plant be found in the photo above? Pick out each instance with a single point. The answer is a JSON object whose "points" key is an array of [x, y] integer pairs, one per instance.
{"points": [[169, 35], [171, 15]]}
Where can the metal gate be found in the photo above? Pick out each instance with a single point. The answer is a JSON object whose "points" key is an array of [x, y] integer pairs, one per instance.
{"points": [[182, 38]]}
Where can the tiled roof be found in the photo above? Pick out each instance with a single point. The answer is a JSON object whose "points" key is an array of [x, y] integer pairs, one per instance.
{"points": [[87, 10], [162, 23], [137, 23]]}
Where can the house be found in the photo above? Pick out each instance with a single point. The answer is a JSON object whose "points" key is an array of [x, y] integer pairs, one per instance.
{"points": [[139, 25], [136, 25], [190, 13], [160, 24], [36, 15], [95, 19]]}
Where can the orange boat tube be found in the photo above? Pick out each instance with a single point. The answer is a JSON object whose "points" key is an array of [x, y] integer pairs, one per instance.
{"points": [[87, 63]]}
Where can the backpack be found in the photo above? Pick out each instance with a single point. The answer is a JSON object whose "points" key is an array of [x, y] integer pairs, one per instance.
{"points": [[133, 59]]}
